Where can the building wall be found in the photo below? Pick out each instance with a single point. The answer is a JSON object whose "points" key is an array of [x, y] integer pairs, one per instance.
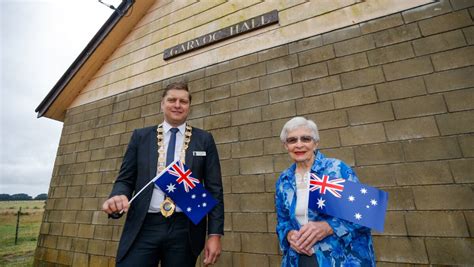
{"points": [[139, 59], [393, 97]]}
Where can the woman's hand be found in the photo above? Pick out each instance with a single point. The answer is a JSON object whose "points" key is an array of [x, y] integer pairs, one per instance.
{"points": [[311, 233], [292, 238]]}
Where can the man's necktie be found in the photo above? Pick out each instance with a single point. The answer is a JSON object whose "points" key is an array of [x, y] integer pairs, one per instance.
{"points": [[171, 146]]}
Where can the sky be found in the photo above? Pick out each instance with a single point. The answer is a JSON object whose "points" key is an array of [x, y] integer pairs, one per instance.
{"points": [[39, 40]]}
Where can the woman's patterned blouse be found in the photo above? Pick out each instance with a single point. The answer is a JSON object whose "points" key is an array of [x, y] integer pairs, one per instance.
{"points": [[350, 245]]}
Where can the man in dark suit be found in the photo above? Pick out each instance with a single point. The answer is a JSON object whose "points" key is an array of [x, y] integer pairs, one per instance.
{"points": [[155, 230]]}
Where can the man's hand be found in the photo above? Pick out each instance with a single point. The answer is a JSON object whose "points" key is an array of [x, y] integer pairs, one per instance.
{"points": [[116, 204], [212, 250], [313, 232]]}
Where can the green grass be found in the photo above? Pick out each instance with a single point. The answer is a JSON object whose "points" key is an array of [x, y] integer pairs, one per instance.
{"points": [[22, 253]]}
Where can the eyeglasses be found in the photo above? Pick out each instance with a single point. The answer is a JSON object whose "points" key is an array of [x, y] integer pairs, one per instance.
{"points": [[304, 139]]}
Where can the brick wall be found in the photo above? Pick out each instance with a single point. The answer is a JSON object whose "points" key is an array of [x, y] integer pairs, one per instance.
{"points": [[393, 97]]}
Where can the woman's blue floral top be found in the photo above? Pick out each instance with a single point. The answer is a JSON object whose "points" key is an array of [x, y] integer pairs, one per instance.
{"points": [[350, 245]]}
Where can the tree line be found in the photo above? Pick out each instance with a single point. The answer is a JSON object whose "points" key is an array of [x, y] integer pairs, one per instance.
{"points": [[22, 196]]}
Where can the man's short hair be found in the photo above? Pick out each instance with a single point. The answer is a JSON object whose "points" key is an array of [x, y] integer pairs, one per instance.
{"points": [[177, 86]]}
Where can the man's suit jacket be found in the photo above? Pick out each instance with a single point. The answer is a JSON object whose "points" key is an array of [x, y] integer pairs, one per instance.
{"points": [[139, 167]]}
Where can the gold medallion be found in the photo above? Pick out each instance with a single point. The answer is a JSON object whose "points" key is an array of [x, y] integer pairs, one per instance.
{"points": [[167, 207]]}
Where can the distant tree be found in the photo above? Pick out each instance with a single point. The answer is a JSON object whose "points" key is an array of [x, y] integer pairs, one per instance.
{"points": [[21, 196], [5, 197], [43, 196]]}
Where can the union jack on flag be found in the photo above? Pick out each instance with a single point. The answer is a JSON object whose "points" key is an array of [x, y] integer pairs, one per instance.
{"points": [[354, 202], [184, 176], [334, 186], [187, 192]]}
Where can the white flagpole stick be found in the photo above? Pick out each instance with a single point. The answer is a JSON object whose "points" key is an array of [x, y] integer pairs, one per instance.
{"points": [[151, 181]]}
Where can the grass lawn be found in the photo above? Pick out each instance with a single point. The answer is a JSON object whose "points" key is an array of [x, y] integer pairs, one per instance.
{"points": [[30, 222]]}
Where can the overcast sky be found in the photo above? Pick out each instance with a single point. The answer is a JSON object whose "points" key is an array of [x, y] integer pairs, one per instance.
{"points": [[39, 40]]}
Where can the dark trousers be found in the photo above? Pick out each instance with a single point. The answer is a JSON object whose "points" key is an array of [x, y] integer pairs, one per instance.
{"points": [[307, 261], [161, 240]]}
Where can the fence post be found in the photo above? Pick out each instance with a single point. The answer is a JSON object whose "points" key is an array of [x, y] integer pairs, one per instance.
{"points": [[17, 224]]}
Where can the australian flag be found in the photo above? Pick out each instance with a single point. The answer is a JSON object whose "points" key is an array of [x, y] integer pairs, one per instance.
{"points": [[186, 191], [354, 202]]}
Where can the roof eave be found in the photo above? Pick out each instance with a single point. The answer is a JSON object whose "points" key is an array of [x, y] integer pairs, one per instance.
{"points": [[79, 62]]}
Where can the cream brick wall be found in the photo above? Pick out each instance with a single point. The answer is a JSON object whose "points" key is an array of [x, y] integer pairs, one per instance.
{"points": [[139, 59], [392, 96]]}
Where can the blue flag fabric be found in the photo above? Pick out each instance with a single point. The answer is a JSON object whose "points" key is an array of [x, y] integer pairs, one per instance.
{"points": [[186, 191], [354, 202]]}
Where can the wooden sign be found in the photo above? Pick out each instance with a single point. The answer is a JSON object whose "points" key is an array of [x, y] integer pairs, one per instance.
{"points": [[222, 34]]}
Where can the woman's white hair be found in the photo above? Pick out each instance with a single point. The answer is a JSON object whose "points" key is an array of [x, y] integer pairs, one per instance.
{"points": [[296, 123]]}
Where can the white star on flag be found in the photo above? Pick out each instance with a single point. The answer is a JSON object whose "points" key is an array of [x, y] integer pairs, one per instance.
{"points": [[177, 182], [321, 203], [170, 188], [356, 202]]}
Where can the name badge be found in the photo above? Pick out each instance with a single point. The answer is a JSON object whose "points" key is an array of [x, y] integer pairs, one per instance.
{"points": [[199, 153]]}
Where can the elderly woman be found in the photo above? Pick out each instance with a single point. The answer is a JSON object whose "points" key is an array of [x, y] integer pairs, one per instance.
{"points": [[309, 238]]}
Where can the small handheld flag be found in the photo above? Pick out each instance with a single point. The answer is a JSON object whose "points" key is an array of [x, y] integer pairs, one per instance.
{"points": [[188, 193], [354, 202]]}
